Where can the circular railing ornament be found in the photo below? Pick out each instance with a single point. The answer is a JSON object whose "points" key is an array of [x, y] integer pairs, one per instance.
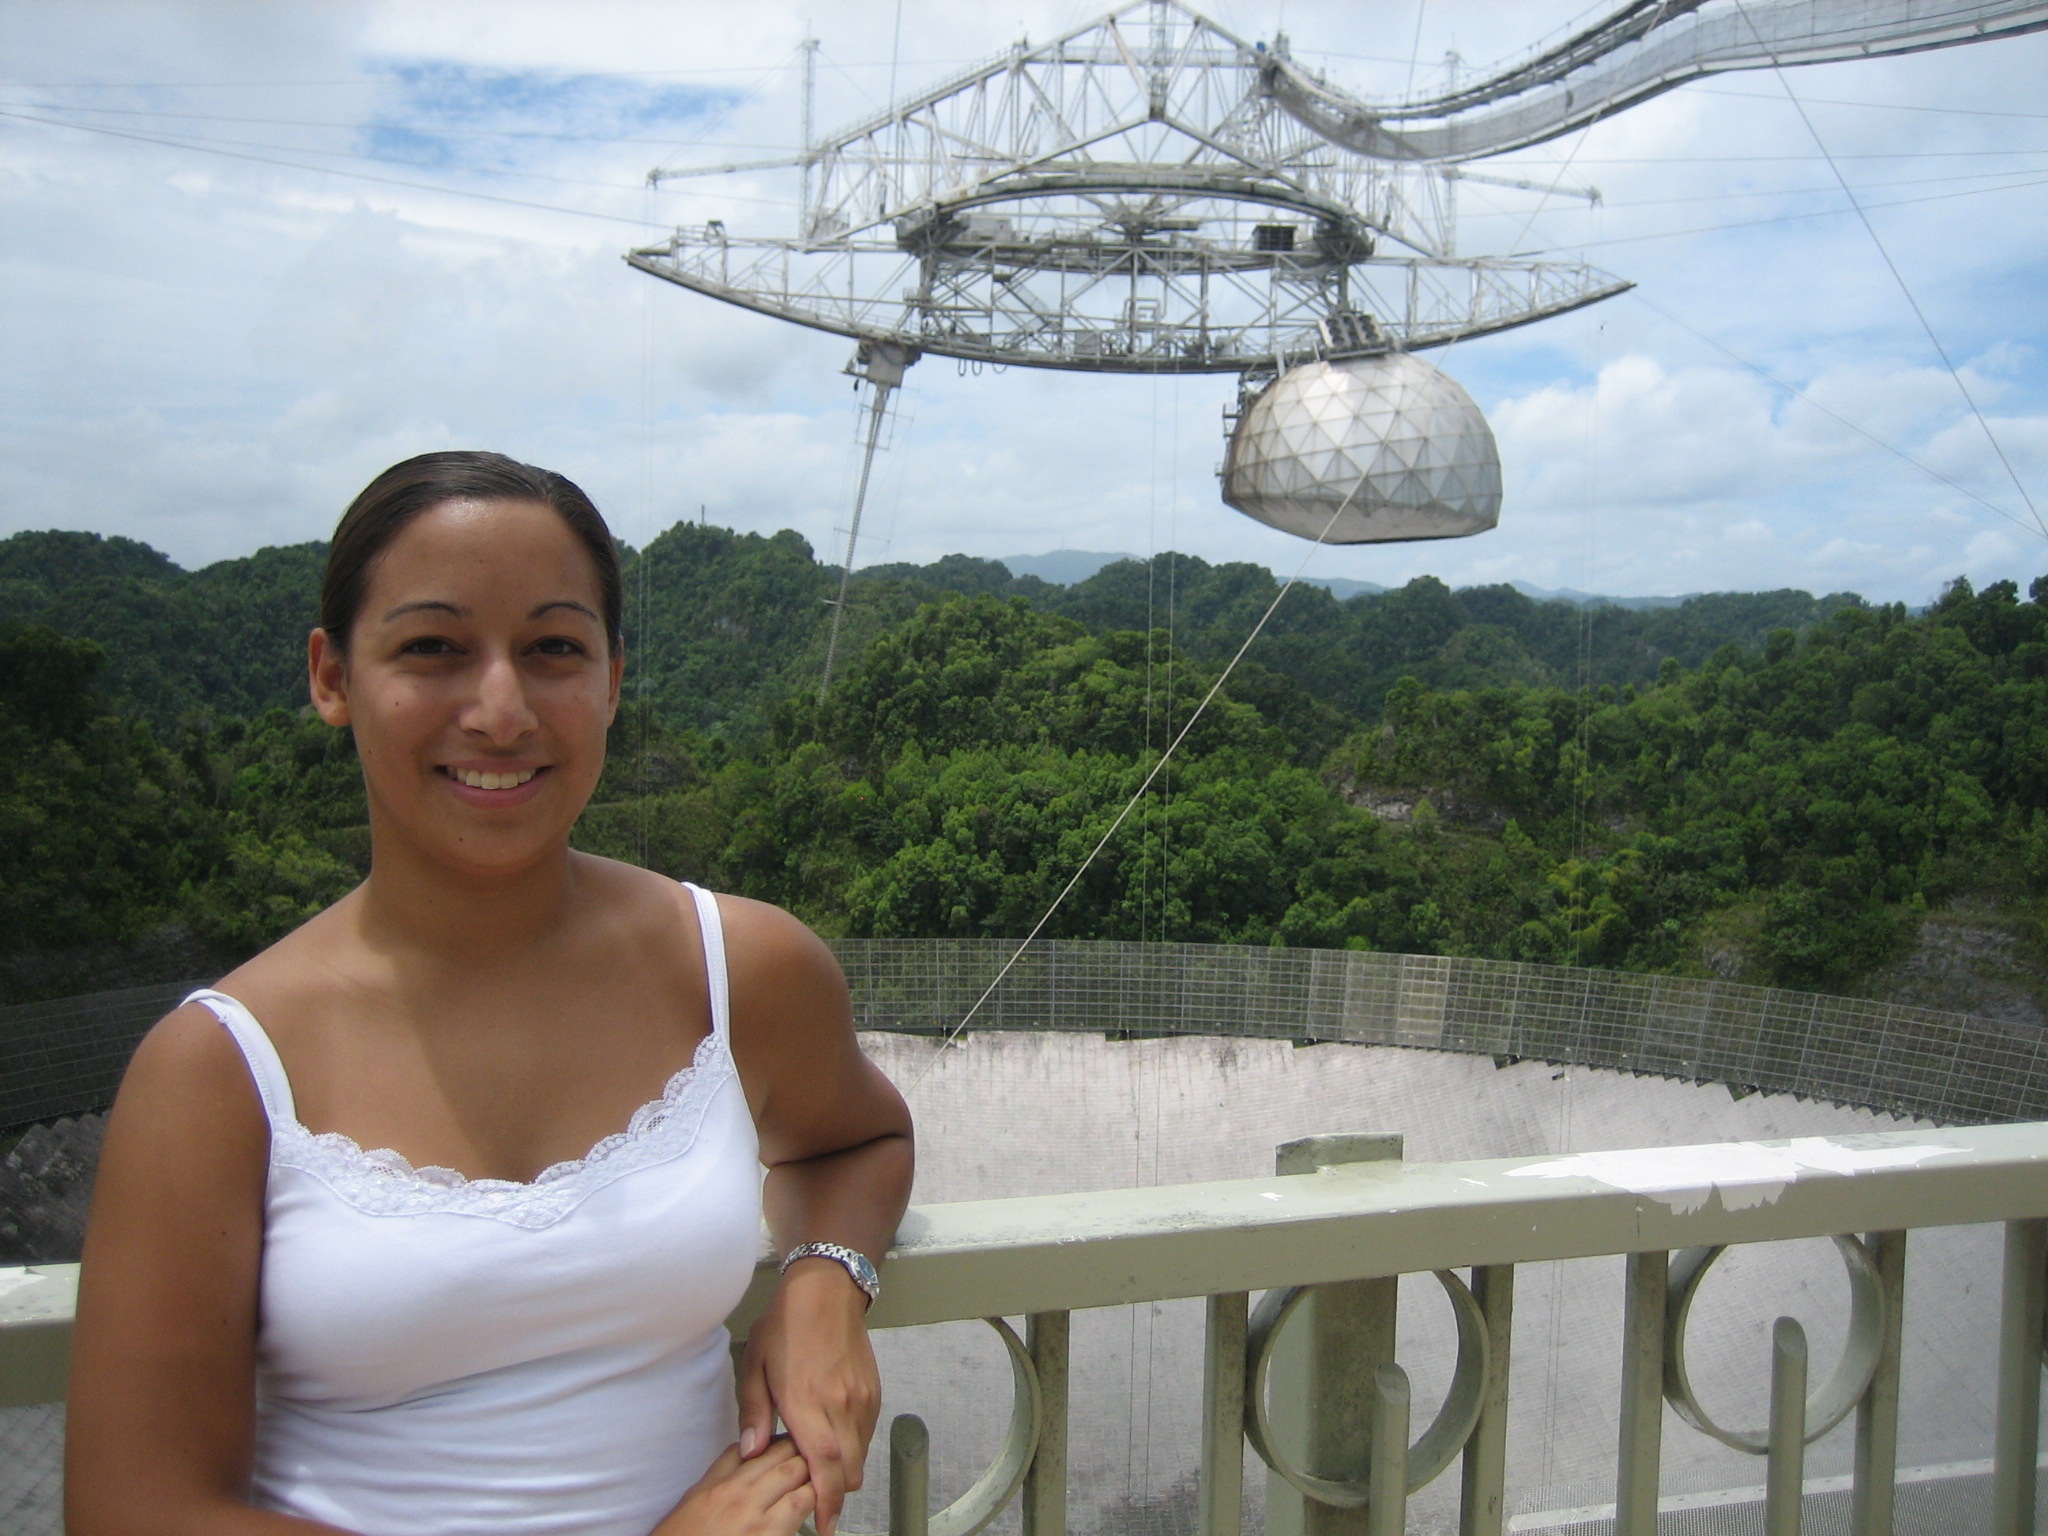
{"points": [[1843, 1389], [1440, 1443], [991, 1493]]}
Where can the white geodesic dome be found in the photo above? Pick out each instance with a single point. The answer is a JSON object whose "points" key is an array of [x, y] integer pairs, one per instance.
{"points": [[1392, 440]]}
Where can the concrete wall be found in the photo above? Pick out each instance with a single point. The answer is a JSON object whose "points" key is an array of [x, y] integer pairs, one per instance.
{"points": [[1036, 1113]]}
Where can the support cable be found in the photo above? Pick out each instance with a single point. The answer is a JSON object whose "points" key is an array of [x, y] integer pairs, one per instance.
{"points": [[1136, 795], [332, 170], [1898, 277], [1415, 45], [643, 633], [1836, 416], [1151, 645], [1776, 218]]}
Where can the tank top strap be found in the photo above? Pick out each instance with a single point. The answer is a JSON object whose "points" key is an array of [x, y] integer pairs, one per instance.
{"points": [[712, 931], [272, 1085]]}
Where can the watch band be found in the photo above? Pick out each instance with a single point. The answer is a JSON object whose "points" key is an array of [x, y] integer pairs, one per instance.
{"points": [[852, 1260]]}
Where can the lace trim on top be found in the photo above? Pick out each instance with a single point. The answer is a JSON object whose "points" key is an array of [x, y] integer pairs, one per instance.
{"points": [[382, 1183]]}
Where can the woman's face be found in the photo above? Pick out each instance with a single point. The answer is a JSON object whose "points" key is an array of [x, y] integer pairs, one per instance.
{"points": [[478, 682]]}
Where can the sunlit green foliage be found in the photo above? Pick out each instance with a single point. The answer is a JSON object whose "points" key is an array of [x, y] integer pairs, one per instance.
{"points": [[1765, 786]]}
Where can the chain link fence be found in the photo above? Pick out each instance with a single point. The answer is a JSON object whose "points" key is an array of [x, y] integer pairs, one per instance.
{"points": [[64, 1058]]}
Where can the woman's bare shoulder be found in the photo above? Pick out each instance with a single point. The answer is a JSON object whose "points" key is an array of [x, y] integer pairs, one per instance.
{"points": [[770, 949], [189, 1081], [187, 1138], [187, 1057], [640, 906]]}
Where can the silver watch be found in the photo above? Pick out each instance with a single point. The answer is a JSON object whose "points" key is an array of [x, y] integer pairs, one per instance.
{"points": [[852, 1260]]}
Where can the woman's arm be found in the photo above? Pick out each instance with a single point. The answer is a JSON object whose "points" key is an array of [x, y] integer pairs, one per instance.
{"points": [[161, 1418], [836, 1138]]}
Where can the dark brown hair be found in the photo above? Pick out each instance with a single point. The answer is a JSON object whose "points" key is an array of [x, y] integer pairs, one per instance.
{"points": [[392, 500]]}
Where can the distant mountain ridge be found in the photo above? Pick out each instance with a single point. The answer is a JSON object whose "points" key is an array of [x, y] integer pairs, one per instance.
{"points": [[1595, 600], [1065, 567]]}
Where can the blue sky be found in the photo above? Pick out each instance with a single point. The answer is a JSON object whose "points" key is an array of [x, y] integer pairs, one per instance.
{"points": [[209, 339]]}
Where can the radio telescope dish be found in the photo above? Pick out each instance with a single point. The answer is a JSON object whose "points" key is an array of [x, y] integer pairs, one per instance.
{"points": [[1365, 450], [1151, 193]]}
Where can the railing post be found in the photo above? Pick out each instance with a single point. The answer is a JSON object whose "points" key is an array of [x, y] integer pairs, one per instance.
{"points": [[1877, 1416], [1642, 1394], [1785, 1469], [1222, 1477], [2017, 1445], [1387, 1515], [1045, 1485], [1349, 1334], [1483, 1475], [910, 1476]]}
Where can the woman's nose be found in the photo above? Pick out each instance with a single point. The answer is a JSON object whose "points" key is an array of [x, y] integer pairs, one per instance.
{"points": [[500, 710]]}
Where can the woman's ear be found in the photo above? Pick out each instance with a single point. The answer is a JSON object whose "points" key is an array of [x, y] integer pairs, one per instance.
{"points": [[618, 668], [327, 677]]}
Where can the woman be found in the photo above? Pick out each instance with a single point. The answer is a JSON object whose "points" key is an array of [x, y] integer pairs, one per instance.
{"points": [[509, 1318]]}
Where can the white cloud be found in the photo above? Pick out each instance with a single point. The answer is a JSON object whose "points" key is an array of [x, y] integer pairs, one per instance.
{"points": [[211, 353]]}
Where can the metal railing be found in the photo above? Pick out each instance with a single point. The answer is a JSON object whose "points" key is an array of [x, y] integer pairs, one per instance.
{"points": [[1307, 1374]]}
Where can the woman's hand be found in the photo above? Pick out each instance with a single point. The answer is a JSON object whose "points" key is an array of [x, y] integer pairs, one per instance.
{"points": [[767, 1495], [809, 1361], [836, 1140]]}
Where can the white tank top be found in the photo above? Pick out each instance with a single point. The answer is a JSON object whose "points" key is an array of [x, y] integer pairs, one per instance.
{"points": [[441, 1356]]}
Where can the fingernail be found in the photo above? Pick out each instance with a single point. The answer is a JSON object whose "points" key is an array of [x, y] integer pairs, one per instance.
{"points": [[749, 1438]]}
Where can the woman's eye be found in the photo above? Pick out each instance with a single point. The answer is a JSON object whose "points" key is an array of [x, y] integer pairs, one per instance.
{"points": [[559, 645], [426, 645]]}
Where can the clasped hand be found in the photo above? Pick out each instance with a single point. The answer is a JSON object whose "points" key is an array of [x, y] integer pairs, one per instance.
{"points": [[808, 1361]]}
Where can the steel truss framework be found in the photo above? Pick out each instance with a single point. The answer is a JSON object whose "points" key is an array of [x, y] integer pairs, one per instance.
{"points": [[1151, 193], [1127, 198]]}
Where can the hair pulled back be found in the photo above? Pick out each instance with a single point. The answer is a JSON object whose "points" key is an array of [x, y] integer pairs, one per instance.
{"points": [[405, 490]]}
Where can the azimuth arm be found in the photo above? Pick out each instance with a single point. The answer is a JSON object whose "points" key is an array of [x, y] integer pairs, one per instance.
{"points": [[1629, 58]]}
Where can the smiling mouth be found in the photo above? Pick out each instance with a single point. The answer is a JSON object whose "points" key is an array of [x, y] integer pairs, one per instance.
{"points": [[475, 780]]}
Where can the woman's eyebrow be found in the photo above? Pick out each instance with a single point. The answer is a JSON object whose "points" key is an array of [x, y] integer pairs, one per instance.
{"points": [[441, 605]]}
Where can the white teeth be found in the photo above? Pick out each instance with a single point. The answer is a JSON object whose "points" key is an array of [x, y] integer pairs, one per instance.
{"points": [[476, 780]]}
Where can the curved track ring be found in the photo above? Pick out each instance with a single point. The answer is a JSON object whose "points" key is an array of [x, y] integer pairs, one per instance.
{"points": [[1441, 1442], [1837, 1395], [975, 1509]]}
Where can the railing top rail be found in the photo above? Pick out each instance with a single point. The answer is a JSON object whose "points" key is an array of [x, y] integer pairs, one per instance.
{"points": [[1113, 1247], [1119, 1246]]}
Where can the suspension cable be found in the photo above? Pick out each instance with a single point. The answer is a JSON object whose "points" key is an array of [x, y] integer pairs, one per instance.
{"points": [[1138, 794], [1898, 277]]}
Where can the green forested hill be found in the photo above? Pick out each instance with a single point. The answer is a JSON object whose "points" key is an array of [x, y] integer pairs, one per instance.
{"points": [[229, 639], [722, 625], [1785, 812], [1765, 786]]}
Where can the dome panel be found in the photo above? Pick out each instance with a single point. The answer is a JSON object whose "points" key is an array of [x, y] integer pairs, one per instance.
{"points": [[1392, 441]]}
